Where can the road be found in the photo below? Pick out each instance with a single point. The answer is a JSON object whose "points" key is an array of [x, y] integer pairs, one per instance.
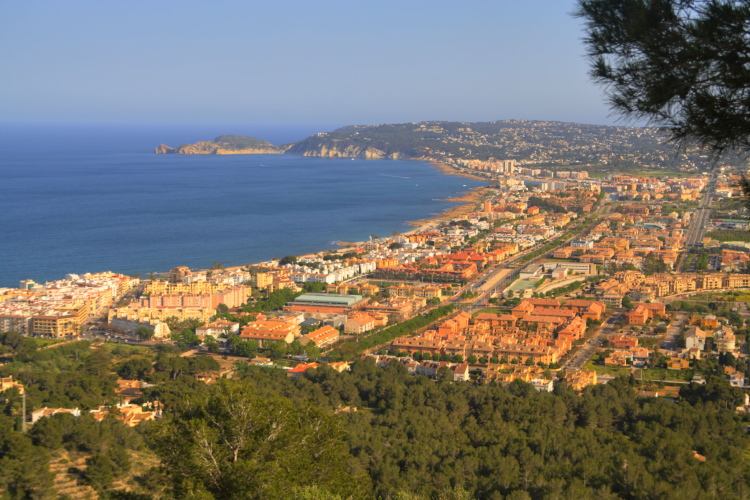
{"points": [[604, 332], [493, 281], [673, 331], [700, 217]]}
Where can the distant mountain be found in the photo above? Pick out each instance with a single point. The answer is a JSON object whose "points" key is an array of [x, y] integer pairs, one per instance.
{"points": [[223, 145], [541, 143], [533, 142]]}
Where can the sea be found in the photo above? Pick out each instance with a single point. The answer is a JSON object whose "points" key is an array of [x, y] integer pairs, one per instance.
{"points": [[84, 198]]}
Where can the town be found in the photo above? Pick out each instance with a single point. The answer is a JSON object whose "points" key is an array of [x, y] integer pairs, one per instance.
{"points": [[529, 279], [548, 278]]}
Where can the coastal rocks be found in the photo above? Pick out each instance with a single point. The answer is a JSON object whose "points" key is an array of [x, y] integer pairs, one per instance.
{"points": [[163, 149], [339, 148], [199, 148], [345, 152]]}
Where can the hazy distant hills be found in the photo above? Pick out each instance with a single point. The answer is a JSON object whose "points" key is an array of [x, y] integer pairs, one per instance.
{"points": [[223, 145], [537, 142], [534, 142]]}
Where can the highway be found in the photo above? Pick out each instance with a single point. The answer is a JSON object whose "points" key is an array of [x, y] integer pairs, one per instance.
{"points": [[578, 359], [698, 222], [496, 279]]}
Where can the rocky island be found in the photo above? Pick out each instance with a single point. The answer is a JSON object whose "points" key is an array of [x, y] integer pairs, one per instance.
{"points": [[223, 145]]}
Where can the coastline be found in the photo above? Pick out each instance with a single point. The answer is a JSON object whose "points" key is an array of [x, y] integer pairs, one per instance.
{"points": [[466, 203], [431, 211], [448, 170]]}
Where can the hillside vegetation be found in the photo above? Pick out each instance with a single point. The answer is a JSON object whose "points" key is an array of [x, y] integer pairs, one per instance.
{"points": [[374, 432]]}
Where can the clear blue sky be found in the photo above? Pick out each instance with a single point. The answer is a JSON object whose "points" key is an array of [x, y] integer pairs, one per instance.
{"points": [[294, 62]]}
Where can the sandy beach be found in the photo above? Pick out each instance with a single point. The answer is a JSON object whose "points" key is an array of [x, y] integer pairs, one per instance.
{"points": [[465, 204], [448, 170]]}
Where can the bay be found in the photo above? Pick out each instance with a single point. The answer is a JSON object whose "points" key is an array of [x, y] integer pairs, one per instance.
{"points": [[77, 199]]}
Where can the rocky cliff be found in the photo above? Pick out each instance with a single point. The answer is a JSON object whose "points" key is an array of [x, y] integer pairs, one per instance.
{"points": [[332, 145], [223, 145]]}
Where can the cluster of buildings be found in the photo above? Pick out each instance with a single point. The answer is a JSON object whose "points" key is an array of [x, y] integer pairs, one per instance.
{"points": [[538, 331], [706, 335], [498, 373], [329, 272], [61, 308], [626, 239], [458, 267], [129, 414], [189, 299], [491, 165], [642, 288]]}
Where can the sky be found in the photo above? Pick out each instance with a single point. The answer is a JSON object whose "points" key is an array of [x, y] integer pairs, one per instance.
{"points": [[296, 62]]}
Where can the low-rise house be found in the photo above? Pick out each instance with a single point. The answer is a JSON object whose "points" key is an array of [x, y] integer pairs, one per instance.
{"points": [[323, 337], [737, 379], [460, 372], [48, 412], [617, 359], [624, 342], [695, 338], [129, 389], [639, 355], [725, 340], [261, 362], [588, 309], [692, 353], [709, 321], [542, 385], [677, 364], [263, 331], [129, 414], [638, 316], [644, 311], [340, 366], [359, 323], [300, 369], [431, 368], [579, 379], [8, 383], [218, 328]]}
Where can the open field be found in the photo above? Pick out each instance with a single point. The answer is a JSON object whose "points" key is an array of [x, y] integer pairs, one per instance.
{"points": [[729, 235], [658, 374], [47, 342], [614, 371], [651, 374]]}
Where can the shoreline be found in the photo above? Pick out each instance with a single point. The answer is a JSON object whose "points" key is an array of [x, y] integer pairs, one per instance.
{"points": [[448, 170], [466, 203]]}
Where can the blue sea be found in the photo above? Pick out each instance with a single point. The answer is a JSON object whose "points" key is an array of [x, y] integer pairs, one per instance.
{"points": [[77, 199]]}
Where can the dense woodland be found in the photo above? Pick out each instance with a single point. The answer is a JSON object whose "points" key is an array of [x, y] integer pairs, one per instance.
{"points": [[410, 437]]}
